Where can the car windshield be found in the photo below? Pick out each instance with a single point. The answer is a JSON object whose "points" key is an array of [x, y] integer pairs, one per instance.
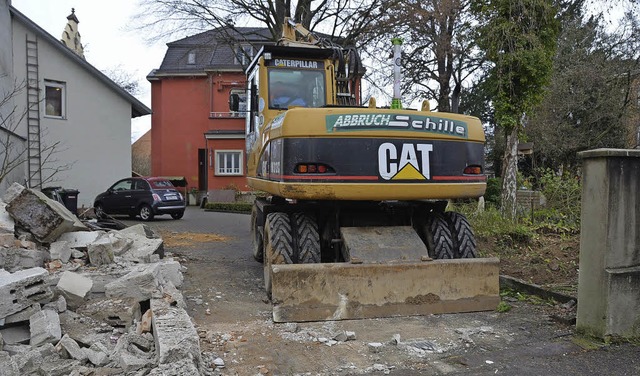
{"points": [[161, 184], [289, 87]]}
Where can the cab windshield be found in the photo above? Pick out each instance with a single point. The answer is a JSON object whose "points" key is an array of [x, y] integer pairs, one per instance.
{"points": [[288, 87]]}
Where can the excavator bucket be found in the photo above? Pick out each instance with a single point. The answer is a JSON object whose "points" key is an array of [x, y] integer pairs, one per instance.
{"points": [[375, 284]]}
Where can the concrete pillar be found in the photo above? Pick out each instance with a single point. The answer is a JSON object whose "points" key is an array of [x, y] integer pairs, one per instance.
{"points": [[609, 278]]}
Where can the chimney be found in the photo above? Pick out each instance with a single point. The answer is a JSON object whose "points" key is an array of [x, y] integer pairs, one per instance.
{"points": [[71, 35]]}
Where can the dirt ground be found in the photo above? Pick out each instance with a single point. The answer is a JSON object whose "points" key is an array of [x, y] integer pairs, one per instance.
{"points": [[549, 259], [226, 299]]}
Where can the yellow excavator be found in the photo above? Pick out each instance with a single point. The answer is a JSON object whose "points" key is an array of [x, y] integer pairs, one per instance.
{"points": [[353, 222]]}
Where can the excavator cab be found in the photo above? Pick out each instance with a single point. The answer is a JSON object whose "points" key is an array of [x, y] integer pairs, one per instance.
{"points": [[294, 87]]}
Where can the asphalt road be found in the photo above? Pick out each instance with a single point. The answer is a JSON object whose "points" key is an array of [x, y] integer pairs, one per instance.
{"points": [[224, 291]]}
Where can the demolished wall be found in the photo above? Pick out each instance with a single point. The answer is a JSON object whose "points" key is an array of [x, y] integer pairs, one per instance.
{"points": [[75, 301]]}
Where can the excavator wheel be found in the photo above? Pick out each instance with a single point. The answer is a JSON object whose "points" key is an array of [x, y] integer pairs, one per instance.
{"points": [[438, 236], [257, 242], [308, 238], [464, 242], [278, 247]]}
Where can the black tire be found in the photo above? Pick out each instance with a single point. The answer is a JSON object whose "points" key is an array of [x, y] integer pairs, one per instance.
{"points": [[257, 242], [98, 210], [177, 215], [438, 236], [308, 239], [464, 241], [278, 246], [145, 212]]}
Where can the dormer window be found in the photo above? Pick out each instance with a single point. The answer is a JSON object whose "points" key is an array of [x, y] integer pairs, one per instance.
{"points": [[191, 58]]}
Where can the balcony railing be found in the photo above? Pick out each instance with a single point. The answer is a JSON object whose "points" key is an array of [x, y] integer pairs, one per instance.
{"points": [[228, 115]]}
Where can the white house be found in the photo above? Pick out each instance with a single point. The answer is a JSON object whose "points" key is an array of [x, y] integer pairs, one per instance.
{"points": [[70, 104]]}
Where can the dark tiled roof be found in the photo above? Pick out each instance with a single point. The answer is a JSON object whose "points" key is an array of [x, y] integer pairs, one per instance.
{"points": [[211, 50]]}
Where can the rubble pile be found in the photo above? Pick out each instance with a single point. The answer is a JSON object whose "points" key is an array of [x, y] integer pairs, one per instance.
{"points": [[76, 301]]}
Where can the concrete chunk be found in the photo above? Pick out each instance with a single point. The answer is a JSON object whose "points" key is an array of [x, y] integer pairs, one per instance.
{"points": [[171, 270], [29, 359], [6, 223], [140, 229], [22, 289], [44, 218], [134, 351], [12, 192], [14, 335], [60, 305], [7, 239], [101, 279], [176, 337], [141, 283], [144, 250], [23, 315], [58, 367], [9, 367], [87, 331], [179, 368], [71, 349], [115, 312], [97, 358], [74, 287], [45, 327], [60, 250], [100, 253], [14, 259], [80, 239]]}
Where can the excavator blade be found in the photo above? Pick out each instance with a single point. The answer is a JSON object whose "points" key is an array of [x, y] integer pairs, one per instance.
{"points": [[339, 291]]}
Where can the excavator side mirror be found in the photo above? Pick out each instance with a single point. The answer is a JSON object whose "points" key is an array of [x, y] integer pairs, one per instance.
{"points": [[234, 102]]}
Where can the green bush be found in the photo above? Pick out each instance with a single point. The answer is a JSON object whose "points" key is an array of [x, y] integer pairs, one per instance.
{"points": [[492, 194], [563, 200], [244, 207]]}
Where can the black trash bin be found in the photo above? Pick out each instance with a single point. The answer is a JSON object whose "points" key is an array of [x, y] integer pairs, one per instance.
{"points": [[70, 199], [67, 197], [53, 193]]}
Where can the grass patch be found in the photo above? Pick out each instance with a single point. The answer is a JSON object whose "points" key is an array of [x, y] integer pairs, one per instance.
{"points": [[503, 307]]}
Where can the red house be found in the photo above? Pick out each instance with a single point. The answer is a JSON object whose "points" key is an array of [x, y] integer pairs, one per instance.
{"points": [[193, 132]]}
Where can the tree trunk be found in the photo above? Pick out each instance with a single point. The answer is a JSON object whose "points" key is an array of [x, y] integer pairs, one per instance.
{"points": [[509, 172]]}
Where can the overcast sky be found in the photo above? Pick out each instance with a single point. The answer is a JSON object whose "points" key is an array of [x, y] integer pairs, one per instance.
{"points": [[107, 43]]}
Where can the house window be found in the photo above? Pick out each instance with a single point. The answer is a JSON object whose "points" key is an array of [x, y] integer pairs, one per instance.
{"points": [[191, 58], [54, 99], [228, 162], [242, 101], [244, 55]]}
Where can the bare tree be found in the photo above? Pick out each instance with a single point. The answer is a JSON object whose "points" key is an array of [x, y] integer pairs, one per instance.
{"points": [[14, 146], [441, 54], [345, 18], [124, 79]]}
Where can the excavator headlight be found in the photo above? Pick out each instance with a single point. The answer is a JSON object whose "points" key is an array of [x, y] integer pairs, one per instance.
{"points": [[472, 170]]}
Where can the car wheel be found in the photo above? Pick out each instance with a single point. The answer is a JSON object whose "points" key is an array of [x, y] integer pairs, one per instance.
{"points": [[177, 215], [98, 210], [146, 214]]}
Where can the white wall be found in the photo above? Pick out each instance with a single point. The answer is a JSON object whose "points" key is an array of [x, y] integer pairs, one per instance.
{"points": [[10, 110], [95, 135]]}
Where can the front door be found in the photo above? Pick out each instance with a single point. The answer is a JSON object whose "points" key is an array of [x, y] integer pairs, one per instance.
{"points": [[202, 170]]}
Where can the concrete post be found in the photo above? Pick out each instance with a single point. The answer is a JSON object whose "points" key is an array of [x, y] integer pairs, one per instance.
{"points": [[609, 277]]}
